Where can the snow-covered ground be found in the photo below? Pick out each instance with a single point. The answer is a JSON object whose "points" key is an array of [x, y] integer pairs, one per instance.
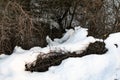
{"points": [[90, 67]]}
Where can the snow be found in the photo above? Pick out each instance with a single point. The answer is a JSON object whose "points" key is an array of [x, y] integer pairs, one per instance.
{"points": [[72, 38], [90, 67]]}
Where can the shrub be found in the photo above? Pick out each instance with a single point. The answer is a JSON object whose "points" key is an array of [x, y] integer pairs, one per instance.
{"points": [[17, 27]]}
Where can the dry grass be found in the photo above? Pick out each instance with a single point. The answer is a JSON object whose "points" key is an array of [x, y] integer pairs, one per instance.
{"points": [[17, 28]]}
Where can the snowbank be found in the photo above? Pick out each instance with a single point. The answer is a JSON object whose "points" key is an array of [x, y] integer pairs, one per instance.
{"points": [[91, 67], [73, 41]]}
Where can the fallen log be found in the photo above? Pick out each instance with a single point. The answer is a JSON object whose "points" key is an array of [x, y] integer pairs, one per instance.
{"points": [[43, 62]]}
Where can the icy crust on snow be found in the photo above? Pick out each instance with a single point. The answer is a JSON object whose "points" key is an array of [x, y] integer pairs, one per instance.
{"points": [[90, 67]]}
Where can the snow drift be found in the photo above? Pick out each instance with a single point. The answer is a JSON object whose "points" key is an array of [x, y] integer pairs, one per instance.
{"points": [[90, 67]]}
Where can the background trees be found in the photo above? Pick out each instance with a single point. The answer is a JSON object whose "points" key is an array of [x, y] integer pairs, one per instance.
{"points": [[100, 16], [26, 23]]}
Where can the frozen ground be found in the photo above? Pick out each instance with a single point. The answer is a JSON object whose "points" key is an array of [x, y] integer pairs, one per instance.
{"points": [[90, 67]]}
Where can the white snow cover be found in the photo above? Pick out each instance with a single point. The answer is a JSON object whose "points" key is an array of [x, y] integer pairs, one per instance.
{"points": [[90, 67], [73, 41]]}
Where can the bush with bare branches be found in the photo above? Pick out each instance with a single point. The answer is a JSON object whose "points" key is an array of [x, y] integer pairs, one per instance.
{"points": [[17, 28]]}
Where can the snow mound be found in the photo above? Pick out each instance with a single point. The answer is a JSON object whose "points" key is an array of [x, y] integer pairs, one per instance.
{"points": [[90, 67], [73, 41]]}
